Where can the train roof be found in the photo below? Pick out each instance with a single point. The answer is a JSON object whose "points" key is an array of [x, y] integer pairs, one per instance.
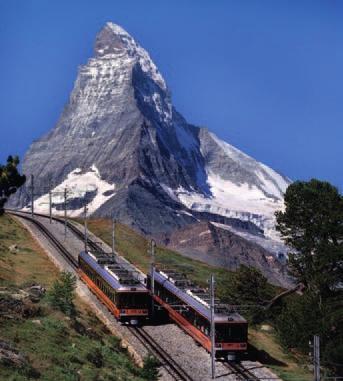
{"points": [[196, 297], [115, 274]]}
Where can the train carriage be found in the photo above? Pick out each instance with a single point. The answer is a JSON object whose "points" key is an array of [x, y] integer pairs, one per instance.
{"points": [[116, 286], [188, 305]]}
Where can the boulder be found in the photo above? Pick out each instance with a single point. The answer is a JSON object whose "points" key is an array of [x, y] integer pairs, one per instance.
{"points": [[13, 248], [10, 356], [35, 292]]}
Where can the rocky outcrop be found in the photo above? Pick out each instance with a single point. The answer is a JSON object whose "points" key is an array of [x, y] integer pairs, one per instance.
{"points": [[221, 247], [9, 356], [16, 303]]}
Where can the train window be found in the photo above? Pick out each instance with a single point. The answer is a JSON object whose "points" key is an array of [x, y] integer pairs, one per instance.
{"points": [[231, 332], [132, 300], [92, 274]]}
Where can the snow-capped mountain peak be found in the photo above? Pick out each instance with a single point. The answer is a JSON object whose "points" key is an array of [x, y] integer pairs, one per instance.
{"points": [[167, 172], [113, 40]]}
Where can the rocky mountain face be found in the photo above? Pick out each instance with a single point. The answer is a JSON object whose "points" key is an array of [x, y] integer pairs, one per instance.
{"points": [[121, 147], [218, 246]]}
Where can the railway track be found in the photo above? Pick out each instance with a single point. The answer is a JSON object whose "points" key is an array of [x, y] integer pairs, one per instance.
{"points": [[164, 358], [167, 362], [244, 374], [73, 228], [55, 242]]}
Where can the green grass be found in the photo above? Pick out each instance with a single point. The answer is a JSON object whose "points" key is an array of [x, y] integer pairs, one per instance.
{"points": [[29, 263], [294, 368], [57, 348], [57, 351], [134, 247]]}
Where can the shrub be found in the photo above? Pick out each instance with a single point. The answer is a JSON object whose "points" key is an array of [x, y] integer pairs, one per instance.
{"points": [[61, 294], [150, 368]]}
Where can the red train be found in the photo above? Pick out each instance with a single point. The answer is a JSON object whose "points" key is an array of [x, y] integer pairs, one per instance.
{"points": [[116, 286], [189, 307]]}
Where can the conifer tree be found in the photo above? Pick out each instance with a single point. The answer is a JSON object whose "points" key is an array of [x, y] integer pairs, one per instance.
{"points": [[10, 180], [312, 226]]}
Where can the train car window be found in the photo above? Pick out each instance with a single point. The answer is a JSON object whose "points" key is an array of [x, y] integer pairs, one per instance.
{"points": [[101, 283], [132, 300], [231, 332], [186, 311]]}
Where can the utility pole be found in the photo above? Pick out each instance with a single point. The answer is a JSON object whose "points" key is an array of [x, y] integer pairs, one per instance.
{"points": [[213, 329], [32, 195], [50, 201], [152, 252], [65, 213], [113, 234], [50, 206], [316, 357], [86, 230]]}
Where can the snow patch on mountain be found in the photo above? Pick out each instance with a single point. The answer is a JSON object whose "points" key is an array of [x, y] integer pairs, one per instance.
{"points": [[78, 185], [230, 150], [280, 180], [230, 199], [244, 202], [163, 109], [272, 182]]}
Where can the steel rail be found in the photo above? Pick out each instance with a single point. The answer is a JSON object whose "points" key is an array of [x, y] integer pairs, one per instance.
{"points": [[246, 374], [171, 366]]}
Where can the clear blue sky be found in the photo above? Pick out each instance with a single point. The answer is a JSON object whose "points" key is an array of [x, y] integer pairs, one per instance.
{"points": [[266, 76]]}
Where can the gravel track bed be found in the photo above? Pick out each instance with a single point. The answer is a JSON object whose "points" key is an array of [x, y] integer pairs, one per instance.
{"points": [[260, 371]]}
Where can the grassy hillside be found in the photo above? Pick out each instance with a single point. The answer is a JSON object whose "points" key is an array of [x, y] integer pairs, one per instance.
{"points": [[56, 347], [29, 263], [290, 367], [135, 247]]}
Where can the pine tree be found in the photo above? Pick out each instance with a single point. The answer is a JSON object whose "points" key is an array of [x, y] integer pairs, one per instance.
{"points": [[61, 294], [10, 180], [312, 226]]}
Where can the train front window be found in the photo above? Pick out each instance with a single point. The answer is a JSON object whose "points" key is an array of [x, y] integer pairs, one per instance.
{"points": [[132, 300], [233, 333]]}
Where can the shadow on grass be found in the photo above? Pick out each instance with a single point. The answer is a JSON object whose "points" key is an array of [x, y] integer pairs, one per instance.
{"points": [[262, 356]]}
